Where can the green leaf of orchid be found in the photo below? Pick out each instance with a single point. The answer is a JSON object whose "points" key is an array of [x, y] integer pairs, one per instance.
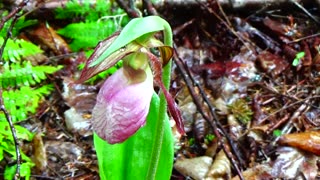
{"points": [[132, 158], [142, 28]]}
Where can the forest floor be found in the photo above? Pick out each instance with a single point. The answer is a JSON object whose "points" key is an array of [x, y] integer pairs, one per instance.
{"points": [[246, 81]]}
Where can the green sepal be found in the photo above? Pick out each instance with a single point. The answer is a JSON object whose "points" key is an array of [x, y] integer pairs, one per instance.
{"points": [[132, 158]]}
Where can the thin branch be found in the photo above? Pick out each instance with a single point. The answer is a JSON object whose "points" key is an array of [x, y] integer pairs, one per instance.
{"points": [[305, 11], [13, 132], [149, 7], [132, 12], [241, 38], [14, 12]]}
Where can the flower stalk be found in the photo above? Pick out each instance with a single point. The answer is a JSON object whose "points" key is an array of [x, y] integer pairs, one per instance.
{"points": [[166, 76]]}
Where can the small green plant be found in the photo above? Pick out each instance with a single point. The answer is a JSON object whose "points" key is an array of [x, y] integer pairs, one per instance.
{"points": [[241, 110], [277, 133], [298, 57], [209, 138]]}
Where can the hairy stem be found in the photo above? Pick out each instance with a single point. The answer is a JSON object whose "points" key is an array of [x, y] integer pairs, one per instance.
{"points": [[157, 146]]}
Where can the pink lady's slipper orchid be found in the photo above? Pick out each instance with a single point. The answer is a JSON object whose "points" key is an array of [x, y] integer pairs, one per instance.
{"points": [[123, 101]]}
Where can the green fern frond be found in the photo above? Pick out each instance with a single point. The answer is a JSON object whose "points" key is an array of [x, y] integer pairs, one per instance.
{"points": [[23, 101], [14, 75], [20, 24], [90, 11], [87, 35], [16, 49]]}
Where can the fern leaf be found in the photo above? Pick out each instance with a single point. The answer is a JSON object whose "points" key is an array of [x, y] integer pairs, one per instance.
{"points": [[87, 35], [16, 49], [14, 75], [90, 11], [20, 24], [20, 103]]}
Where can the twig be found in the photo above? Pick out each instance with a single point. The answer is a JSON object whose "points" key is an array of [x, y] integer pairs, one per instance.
{"points": [[13, 132], [241, 38], [288, 127], [189, 81], [305, 11], [13, 13], [304, 38], [149, 7], [132, 12]]}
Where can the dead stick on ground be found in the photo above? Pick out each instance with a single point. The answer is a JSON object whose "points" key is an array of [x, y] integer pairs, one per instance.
{"points": [[15, 138]]}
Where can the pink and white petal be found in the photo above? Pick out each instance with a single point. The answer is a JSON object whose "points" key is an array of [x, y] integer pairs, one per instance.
{"points": [[121, 107]]}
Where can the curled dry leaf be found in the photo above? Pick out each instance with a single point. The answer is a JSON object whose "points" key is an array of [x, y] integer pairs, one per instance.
{"points": [[272, 63], [221, 167], [291, 164], [39, 153], [48, 37], [200, 127], [307, 59], [78, 96], [235, 128], [195, 167], [277, 27], [308, 141], [77, 122], [260, 171], [187, 107]]}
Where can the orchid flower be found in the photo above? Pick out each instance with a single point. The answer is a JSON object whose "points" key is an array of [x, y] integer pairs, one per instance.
{"points": [[123, 103], [124, 98]]}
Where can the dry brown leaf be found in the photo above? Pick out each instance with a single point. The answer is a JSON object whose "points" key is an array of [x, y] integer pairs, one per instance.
{"points": [[39, 153], [292, 163], [195, 167], [221, 167], [272, 63], [47, 36], [308, 141], [260, 171]]}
